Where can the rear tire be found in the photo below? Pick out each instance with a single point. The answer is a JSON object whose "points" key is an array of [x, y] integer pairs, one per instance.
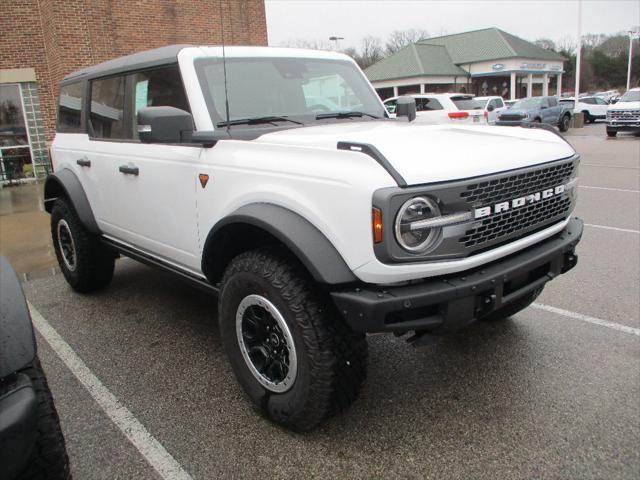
{"points": [[330, 359], [611, 133], [85, 263], [512, 308], [563, 126], [49, 456]]}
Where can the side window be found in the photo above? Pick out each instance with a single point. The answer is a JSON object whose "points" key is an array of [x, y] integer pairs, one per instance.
{"points": [[159, 87], [588, 101], [499, 103], [553, 102], [390, 105], [70, 108], [600, 101], [107, 107], [431, 104]]}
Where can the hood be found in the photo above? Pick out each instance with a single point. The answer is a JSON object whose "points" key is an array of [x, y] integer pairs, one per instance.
{"points": [[514, 112], [435, 153], [624, 106]]}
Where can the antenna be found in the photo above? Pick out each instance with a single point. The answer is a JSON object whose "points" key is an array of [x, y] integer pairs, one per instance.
{"points": [[224, 67]]}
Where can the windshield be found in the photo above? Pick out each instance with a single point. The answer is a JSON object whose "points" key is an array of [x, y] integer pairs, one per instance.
{"points": [[301, 88], [527, 103], [468, 103], [631, 96]]}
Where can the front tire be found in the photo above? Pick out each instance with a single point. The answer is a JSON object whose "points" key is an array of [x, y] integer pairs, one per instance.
{"points": [[85, 263], [289, 349], [512, 308]]}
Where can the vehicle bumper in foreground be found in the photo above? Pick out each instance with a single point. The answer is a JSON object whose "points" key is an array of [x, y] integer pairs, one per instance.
{"points": [[444, 304], [18, 424]]}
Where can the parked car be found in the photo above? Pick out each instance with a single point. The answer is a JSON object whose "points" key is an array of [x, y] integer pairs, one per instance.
{"points": [[492, 106], [440, 108], [312, 229], [593, 107], [31, 441], [537, 110], [624, 116]]}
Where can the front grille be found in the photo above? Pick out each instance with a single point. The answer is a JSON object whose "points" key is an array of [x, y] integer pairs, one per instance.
{"points": [[511, 117], [624, 116], [513, 186], [516, 222], [511, 222]]}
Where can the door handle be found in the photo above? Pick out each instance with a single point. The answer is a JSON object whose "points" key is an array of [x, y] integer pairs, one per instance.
{"points": [[84, 162], [129, 169]]}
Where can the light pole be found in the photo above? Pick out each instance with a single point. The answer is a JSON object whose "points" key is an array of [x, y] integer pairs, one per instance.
{"points": [[578, 55], [337, 40], [632, 35]]}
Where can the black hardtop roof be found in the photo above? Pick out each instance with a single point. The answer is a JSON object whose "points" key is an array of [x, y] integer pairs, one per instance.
{"points": [[135, 61]]}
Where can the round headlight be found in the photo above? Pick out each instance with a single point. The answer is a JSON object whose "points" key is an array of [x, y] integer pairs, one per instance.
{"points": [[408, 232]]}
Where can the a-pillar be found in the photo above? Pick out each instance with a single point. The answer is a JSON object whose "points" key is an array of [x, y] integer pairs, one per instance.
{"points": [[559, 85], [545, 85], [512, 89]]}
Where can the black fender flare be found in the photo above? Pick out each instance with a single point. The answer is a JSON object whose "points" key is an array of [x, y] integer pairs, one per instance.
{"points": [[65, 183], [300, 236], [17, 342]]}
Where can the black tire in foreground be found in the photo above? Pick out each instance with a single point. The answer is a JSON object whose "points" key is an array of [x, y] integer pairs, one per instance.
{"points": [[512, 308], [49, 458], [289, 349], [611, 133], [85, 263], [564, 123]]}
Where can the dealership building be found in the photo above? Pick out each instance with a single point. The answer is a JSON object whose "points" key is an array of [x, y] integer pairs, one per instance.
{"points": [[44, 40], [483, 62]]}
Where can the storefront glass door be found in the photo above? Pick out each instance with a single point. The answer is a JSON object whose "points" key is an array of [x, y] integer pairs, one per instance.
{"points": [[15, 152]]}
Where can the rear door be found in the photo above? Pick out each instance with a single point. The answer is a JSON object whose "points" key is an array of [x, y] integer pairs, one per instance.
{"points": [[429, 110], [147, 191], [600, 107]]}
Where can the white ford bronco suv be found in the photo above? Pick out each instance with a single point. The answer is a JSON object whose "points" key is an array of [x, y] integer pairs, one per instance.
{"points": [[274, 178]]}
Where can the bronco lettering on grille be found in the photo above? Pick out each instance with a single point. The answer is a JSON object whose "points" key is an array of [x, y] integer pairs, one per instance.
{"points": [[518, 202]]}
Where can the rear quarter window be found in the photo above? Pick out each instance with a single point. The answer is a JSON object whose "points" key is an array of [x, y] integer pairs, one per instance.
{"points": [[70, 104]]}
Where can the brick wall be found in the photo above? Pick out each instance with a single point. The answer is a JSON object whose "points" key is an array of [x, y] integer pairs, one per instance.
{"points": [[57, 37]]}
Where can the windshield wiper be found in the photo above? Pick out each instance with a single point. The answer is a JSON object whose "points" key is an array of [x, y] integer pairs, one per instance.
{"points": [[320, 116], [257, 120]]}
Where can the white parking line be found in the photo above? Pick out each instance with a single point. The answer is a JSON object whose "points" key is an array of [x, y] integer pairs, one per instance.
{"points": [[588, 319], [609, 189], [627, 230], [609, 166], [152, 450]]}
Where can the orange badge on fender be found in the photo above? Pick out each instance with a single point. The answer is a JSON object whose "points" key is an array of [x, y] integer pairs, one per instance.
{"points": [[204, 178]]}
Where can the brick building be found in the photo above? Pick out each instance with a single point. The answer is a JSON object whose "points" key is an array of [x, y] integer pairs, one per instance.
{"points": [[43, 40]]}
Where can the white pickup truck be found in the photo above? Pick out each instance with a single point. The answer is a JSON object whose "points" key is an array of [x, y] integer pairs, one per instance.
{"points": [[275, 179]]}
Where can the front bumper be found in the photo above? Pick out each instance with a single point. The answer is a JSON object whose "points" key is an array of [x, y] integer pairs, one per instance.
{"points": [[512, 123], [445, 304], [18, 424], [623, 127]]}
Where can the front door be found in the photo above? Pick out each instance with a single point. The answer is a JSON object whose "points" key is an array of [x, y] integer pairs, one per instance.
{"points": [[147, 192]]}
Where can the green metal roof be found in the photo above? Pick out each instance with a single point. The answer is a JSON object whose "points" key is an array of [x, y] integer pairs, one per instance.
{"points": [[489, 44], [416, 60]]}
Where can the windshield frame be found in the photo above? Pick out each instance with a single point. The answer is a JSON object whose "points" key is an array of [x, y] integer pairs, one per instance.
{"points": [[296, 119]]}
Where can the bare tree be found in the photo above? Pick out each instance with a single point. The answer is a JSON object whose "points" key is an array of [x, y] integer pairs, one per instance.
{"points": [[370, 51], [546, 43], [567, 44], [310, 44], [399, 39], [593, 40]]}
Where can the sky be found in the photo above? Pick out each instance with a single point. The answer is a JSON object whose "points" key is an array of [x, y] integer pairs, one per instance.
{"points": [[317, 20]]}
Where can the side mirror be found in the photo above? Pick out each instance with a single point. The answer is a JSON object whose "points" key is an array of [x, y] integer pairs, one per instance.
{"points": [[164, 125], [406, 107], [490, 108]]}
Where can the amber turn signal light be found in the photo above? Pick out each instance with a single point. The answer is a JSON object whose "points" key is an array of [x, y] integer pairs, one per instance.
{"points": [[377, 225]]}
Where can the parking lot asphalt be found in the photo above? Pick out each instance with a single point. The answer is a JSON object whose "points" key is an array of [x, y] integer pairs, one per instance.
{"points": [[546, 394]]}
